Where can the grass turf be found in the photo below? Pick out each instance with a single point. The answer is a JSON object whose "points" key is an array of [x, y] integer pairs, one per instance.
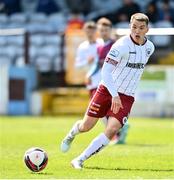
{"points": [[149, 152]]}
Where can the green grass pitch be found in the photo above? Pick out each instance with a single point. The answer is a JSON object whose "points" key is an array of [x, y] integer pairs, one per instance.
{"points": [[149, 152]]}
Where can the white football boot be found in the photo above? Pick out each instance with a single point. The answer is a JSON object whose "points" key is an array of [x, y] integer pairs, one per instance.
{"points": [[77, 164], [66, 143]]}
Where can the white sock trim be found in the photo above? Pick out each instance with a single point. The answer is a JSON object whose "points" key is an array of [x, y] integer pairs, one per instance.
{"points": [[75, 130]]}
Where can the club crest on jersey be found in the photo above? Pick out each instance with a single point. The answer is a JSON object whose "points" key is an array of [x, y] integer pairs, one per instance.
{"points": [[114, 53], [148, 50]]}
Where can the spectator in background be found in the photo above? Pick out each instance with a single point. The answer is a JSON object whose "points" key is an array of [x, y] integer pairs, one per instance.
{"points": [[11, 6], [166, 12], [107, 9], [152, 11], [47, 6], [79, 6], [75, 22], [106, 6], [128, 8], [2, 7]]}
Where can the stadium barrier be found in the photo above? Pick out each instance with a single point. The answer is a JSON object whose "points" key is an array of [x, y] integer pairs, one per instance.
{"points": [[22, 82], [16, 87], [4, 96], [18, 81], [154, 97], [60, 101], [155, 93]]}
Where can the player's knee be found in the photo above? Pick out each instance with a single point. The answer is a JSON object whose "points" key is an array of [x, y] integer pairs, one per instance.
{"points": [[110, 131]]}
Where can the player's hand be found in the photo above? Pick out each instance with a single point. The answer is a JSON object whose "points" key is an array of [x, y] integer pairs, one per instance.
{"points": [[116, 104], [90, 59], [87, 80]]}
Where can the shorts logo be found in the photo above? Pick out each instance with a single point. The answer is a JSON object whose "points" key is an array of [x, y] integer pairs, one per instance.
{"points": [[125, 119], [95, 104], [94, 108], [93, 112]]}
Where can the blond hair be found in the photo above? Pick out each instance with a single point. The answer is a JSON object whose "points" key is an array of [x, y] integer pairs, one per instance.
{"points": [[140, 17]]}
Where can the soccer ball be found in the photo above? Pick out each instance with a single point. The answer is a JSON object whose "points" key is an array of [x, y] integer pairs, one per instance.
{"points": [[36, 159]]}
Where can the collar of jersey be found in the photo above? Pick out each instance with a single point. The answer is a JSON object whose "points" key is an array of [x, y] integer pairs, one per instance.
{"points": [[137, 43]]}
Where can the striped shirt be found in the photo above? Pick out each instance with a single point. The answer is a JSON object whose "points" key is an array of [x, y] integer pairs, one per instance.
{"points": [[129, 60]]}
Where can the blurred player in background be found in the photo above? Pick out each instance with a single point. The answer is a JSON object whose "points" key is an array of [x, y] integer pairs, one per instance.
{"points": [[86, 56], [121, 73], [104, 27]]}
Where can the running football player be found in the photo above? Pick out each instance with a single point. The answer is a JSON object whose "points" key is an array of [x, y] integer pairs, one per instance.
{"points": [[121, 73]]}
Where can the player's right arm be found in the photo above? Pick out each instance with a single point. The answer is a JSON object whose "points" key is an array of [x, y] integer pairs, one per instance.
{"points": [[112, 60], [107, 69]]}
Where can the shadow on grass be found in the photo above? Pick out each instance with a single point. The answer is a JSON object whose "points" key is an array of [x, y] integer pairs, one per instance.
{"points": [[42, 173], [147, 145], [129, 169]]}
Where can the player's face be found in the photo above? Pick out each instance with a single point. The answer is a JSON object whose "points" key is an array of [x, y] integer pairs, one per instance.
{"points": [[90, 33], [138, 30], [104, 32]]}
